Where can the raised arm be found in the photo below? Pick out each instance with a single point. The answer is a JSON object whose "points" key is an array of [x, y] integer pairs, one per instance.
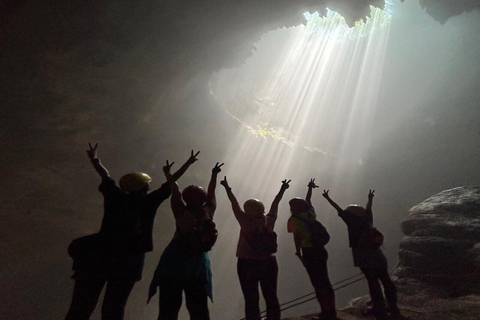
{"points": [[92, 154], [171, 179], [332, 203], [176, 199], [211, 200], [272, 213], [237, 211], [370, 202], [311, 185]]}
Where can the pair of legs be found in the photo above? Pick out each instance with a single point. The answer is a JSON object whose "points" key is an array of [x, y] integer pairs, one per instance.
{"points": [[253, 272], [87, 291], [171, 299], [374, 277], [315, 261]]}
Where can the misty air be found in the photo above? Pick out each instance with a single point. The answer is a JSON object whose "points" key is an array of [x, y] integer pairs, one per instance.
{"points": [[253, 160]]}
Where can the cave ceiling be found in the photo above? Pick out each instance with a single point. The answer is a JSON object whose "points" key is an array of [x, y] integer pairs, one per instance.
{"points": [[78, 69]]}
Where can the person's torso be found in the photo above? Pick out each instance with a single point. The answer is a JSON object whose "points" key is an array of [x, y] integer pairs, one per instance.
{"points": [[300, 226], [128, 222], [188, 219], [249, 234]]}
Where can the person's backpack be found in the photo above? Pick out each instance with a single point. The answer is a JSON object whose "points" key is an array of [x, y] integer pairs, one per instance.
{"points": [[265, 241], [86, 247], [200, 238], [318, 233], [372, 238]]}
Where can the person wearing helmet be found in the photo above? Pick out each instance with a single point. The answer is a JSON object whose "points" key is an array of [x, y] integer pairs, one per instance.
{"points": [[184, 265], [368, 256], [313, 256], [115, 255], [257, 263]]}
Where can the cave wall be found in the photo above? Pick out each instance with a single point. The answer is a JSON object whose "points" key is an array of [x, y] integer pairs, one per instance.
{"points": [[113, 71]]}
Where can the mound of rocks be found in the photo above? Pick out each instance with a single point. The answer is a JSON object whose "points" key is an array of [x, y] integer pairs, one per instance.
{"points": [[442, 246]]}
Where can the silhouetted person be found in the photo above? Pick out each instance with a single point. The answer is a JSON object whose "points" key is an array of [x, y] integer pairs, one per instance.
{"points": [[312, 255], [184, 265], [115, 256], [256, 249], [365, 242]]}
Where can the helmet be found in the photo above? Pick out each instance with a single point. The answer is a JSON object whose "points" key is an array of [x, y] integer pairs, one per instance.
{"points": [[135, 181], [253, 207], [356, 210], [194, 195], [298, 205]]}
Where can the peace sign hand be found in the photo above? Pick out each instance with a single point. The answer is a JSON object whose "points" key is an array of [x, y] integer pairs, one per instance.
{"points": [[285, 184], [193, 157], [371, 194], [217, 168], [312, 184], [325, 194], [92, 152], [224, 183], [166, 168]]}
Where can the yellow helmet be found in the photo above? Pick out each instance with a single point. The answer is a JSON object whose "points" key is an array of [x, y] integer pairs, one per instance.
{"points": [[135, 181], [254, 207], [356, 210]]}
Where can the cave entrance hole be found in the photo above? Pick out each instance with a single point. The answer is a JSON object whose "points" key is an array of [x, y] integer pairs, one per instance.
{"points": [[310, 88]]}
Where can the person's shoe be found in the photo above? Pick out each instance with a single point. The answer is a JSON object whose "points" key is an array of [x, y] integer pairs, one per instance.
{"points": [[379, 314], [393, 311], [326, 316]]}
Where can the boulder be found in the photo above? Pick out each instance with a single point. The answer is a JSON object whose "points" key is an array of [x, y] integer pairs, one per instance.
{"points": [[442, 243]]}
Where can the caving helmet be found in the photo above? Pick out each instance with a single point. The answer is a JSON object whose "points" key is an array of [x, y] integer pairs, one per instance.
{"points": [[356, 210], [136, 181], [254, 207], [194, 195], [298, 205]]}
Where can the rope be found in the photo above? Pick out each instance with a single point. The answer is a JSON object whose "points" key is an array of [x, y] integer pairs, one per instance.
{"points": [[337, 283], [310, 299], [305, 301]]}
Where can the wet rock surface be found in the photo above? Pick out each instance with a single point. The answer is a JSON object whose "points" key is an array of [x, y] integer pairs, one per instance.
{"points": [[443, 240]]}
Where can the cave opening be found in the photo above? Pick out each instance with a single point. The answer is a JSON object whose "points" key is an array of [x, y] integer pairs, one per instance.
{"points": [[312, 87]]}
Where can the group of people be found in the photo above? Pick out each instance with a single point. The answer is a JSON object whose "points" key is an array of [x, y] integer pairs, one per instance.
{"points": [[114, 257]]}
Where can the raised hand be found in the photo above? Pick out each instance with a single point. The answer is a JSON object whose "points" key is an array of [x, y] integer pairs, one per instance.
{"points": [[92, 152], [371, 194], [193, 157], [224, 183], [285, 184], [312, 184], [217, 168], [166, 168], [325, 194]]}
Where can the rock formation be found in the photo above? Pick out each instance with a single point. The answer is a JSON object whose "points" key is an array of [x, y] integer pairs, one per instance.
{"points": [[443, 240]]}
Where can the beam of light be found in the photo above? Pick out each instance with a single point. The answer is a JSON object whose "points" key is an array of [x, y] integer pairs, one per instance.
{"points": [[305, 102]]}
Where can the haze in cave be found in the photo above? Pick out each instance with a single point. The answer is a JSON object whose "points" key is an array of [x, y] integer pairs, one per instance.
{"points": [[390, 104]]}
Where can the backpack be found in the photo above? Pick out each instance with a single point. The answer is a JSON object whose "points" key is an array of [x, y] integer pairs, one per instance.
{"points": [[86, 247], [200, 238], [318, 233], [372, 238], [265, 241]]}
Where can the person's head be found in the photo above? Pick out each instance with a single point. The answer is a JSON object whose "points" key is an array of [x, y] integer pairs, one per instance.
{"points": [[298, 205], [135, 182], [356, 210], [194, 196], [254, 208]]}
